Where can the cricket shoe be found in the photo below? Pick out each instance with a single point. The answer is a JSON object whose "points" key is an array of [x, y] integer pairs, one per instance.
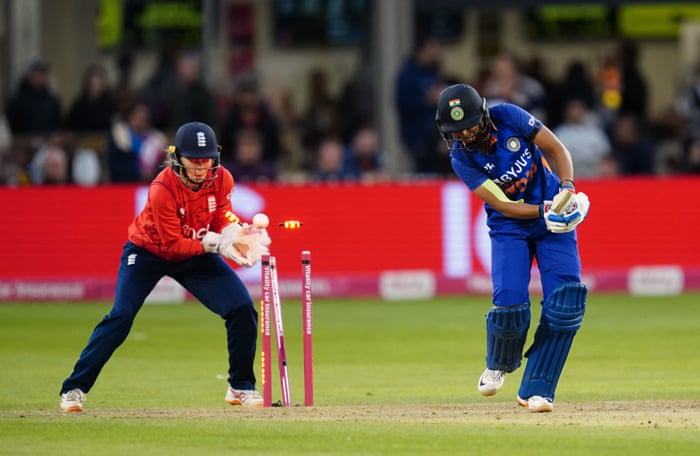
{"points": [[491, 381], [72, 401], [246, 398], [536, 404]]}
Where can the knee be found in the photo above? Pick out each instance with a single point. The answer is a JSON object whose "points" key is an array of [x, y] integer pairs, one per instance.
{"points": [[564, 308]]}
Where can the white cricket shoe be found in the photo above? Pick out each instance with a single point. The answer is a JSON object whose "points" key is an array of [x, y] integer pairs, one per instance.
{"points": [[246, 398], [491, 381], [72, 401], [537, 404]]}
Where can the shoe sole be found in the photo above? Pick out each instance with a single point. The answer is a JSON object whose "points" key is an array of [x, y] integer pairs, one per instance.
{"points": [[73, 408], [240, 404], [488, 393], [543, 409]]}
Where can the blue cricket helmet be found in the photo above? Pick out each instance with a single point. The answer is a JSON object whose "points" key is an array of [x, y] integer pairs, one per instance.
{"points": [[460, 107], [196, 140]]}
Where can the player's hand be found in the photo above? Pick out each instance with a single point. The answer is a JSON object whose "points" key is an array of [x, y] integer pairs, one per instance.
{"points": [[575, 213], [211, 242], [563, 201], [244, 243]]}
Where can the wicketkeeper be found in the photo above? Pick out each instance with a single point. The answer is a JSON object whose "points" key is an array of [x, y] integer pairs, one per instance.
{"points": [[532, 212], [185, 228]]}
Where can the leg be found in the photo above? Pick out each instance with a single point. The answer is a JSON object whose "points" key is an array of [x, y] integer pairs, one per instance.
{"points": [[508, 321], [562, 314], [211, 280], [506, 331], [134, 282]]}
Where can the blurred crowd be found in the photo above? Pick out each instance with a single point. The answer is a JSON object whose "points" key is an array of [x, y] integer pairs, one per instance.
{"points": [[114, 132]]}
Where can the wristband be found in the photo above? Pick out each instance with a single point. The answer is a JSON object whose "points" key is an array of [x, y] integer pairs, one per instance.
{"points": [[571, 185]]}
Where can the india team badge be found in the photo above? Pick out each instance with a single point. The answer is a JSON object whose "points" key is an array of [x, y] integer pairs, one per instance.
{"points": [[456, 111], [513, 144]]}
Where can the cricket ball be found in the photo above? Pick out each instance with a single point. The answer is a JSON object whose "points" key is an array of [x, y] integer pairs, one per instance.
{"points": [[261, 221]]}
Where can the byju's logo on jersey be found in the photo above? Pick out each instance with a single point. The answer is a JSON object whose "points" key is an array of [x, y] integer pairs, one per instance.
{"points": [[201, 139], [513, 144]]}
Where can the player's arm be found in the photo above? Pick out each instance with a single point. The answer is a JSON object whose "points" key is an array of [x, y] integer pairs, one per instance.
{"points": [[492, 195], [557, 152]]}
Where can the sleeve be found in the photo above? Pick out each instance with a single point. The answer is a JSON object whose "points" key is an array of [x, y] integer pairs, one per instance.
{"points": [[466, 171], [527, 124], [224, 211], [166, 221]]}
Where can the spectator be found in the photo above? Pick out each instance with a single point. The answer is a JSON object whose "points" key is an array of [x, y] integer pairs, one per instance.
{"points": [[508, 84], [135, 148], [587, 142], [633, 150], [634, 92], [418, 86], [608, 167], [5, 135], [329, 162], [357, 102], [50, 165], [192, 100], [250, 110], [363, 158], [86, 167], [158, 93], [322, 118], [248, 165], [692, 161], [687, 107], [536, 68], [33, 108], [94, 107], [124, 93], [284, 111], [576, 84]]}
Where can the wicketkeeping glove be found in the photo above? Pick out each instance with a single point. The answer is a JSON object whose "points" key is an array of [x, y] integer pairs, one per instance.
{"points": [[211, 242], [244, 243], [573, 214]]}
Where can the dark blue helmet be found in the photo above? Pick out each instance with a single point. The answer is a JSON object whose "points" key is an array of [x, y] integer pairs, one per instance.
{"points": [[460, 107], [196, 140]]}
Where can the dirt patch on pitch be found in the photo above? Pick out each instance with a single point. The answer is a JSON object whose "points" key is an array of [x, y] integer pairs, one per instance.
{"points": [[677, 414]]}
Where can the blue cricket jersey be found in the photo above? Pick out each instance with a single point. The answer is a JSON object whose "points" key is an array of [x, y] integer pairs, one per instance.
{"points": [[515, 163]]}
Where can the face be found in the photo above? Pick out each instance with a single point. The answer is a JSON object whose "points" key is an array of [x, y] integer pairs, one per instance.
{"points": [[468, 135], [197, 169]]}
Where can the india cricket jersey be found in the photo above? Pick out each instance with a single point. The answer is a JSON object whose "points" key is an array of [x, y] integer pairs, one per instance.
{"points": [[514, 163], [176, 218]]}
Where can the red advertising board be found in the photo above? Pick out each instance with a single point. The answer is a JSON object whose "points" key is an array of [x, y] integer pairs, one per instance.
{"points": [[422, 237]]}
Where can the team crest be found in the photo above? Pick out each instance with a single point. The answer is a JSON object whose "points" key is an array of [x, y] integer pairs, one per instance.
{"points": [[456, 111], [513, 144]]}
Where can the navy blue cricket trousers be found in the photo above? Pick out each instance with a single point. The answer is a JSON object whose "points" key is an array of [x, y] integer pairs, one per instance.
{"points": [[208, 277]]}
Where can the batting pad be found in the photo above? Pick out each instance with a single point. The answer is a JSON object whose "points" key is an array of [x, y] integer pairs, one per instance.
{"points": [[562, 314], [506, 331]]}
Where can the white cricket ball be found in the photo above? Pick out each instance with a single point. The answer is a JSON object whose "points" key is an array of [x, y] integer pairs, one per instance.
{"points": [[261, 221]]}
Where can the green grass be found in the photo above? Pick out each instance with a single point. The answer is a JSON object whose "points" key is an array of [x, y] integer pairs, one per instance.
{"points": [[162, 392]]}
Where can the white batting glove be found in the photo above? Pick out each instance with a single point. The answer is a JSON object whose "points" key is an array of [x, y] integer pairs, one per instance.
{"points": [[563, 201], [575, 213]]}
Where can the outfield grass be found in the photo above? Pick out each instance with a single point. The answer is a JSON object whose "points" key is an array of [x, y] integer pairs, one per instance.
{"points": [[391, 378]]}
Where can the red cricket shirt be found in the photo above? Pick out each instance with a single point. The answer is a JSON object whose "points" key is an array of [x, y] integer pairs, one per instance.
{"points": [[176, 218]]}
